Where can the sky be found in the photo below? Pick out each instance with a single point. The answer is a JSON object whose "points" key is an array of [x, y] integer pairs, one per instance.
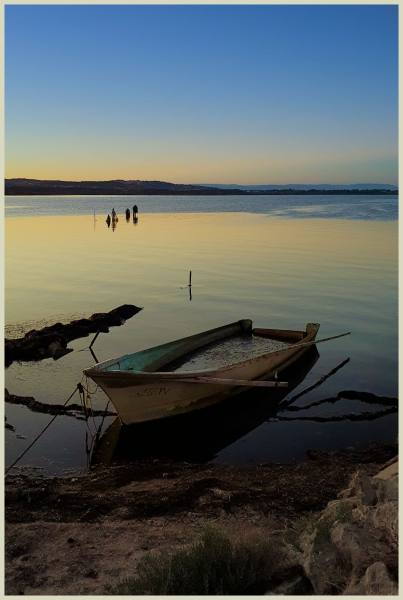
{"points": [[202, 94]]}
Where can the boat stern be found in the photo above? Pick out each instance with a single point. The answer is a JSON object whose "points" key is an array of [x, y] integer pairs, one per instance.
{"points": [[311, 330]]}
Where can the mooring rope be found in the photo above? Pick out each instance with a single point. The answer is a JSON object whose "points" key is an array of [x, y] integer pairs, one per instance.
{"points": [[87, 402], [79, 388], [95, 437]]}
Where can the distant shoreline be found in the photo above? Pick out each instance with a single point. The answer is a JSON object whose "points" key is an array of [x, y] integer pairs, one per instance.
{"points": [[79, 191], [119, 187]]}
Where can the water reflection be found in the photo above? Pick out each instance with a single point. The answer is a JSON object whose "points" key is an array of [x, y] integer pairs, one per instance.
{"points": [[202, 435], [362, 416], [199, 436], [112, 221], [281, 273]]}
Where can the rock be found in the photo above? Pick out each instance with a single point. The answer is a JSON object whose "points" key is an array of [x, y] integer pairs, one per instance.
{"points": [[385, 518], [55, 328], [321, 559], [79, 328], [62, 352], [341, 552], [56, 346], [221, 494], [126, 311], [339, 510], [376, 581], [356, 545], [52, 341], [389, 491], [362, 487], [97, 317]]}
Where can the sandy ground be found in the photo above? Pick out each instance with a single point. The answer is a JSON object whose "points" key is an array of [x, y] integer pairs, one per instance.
{"points": [[77, 535]]}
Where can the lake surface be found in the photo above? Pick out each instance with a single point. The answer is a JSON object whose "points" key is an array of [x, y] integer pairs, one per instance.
{"points": [[373, 207], [281, 261]]}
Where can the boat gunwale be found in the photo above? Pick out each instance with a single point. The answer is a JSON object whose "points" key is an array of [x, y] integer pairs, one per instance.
{"points": [[96, 368], [149, 376]]}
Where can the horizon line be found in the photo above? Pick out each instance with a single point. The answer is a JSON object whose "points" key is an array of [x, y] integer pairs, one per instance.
{"points": [[199, 184]]}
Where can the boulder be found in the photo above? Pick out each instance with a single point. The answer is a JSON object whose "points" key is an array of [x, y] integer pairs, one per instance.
{"points": [[351, 547], [361, 486], [375, 581]]}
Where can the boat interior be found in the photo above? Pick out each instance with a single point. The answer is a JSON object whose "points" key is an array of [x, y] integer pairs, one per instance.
{"points": [[211, 349]]}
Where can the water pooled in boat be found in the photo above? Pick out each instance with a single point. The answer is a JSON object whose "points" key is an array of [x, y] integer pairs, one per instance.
{"points": [[230, 351]]}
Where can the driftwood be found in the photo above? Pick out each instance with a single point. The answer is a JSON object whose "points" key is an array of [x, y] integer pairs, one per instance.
{"points": [[72, 410], [366, 397], [51, 342]]}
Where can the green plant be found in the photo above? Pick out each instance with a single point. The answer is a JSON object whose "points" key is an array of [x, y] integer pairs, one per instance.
{"points": [[343, 512], [212, 566]]}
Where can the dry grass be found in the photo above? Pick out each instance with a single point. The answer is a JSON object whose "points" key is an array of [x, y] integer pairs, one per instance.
{"points": [[212, 566]]}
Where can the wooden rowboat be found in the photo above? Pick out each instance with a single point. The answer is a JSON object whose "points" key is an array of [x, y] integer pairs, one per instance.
{"points": [[199, 435], [199, 370]]}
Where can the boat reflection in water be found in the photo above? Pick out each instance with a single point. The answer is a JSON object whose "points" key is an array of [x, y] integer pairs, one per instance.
{"points": [[198, 436]]}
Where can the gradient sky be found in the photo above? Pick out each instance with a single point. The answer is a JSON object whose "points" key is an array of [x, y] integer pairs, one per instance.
{"points": [[244, 94]]}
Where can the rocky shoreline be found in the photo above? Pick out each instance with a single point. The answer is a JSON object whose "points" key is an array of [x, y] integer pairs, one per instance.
{"points": [[52, 341], [80, 534]]}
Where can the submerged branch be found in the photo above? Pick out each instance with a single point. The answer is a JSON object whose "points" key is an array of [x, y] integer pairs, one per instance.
{"points": [[71, 410], [347, 395], [368, 397], [317, 384], [365, 416]]}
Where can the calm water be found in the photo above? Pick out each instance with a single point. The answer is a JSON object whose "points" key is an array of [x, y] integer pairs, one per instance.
{"points": [[337, 206], [282, 261]]}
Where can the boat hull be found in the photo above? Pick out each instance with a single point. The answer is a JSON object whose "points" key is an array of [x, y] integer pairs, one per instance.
{"points": [[147, 396]]}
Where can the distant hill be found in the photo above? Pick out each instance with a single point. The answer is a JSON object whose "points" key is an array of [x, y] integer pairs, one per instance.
{"points": [[307, 186], [114, 187], [135, 187]]}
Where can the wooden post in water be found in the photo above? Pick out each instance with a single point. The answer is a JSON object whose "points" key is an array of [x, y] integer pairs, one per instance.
{"points": [[190, 278]]}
